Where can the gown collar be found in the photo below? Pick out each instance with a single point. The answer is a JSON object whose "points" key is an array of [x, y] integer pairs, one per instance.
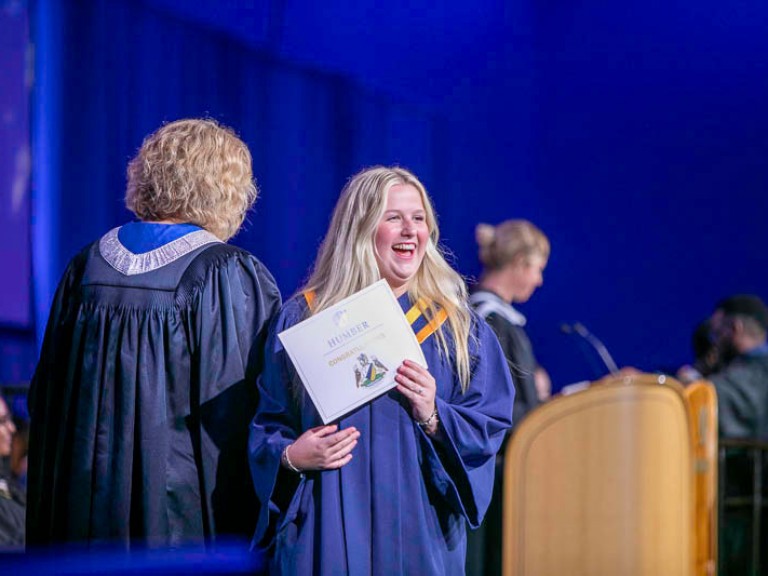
{"points": [[487, 302], [129, 264], [139, 236]]}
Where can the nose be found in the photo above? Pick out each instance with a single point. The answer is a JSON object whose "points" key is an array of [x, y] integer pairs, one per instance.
{"points": [[7, 423]]}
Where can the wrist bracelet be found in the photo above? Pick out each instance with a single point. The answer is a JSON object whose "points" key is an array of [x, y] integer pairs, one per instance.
{"points": [[428, 422], [287, 460]]}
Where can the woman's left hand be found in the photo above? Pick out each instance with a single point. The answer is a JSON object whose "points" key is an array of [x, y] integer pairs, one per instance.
{"points": [[418, 386]]}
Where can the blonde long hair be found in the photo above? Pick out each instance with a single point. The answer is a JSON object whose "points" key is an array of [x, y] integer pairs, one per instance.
{"points": [[346, 261]]}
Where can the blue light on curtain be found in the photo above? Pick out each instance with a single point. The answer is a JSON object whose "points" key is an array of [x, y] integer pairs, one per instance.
{"points": [[46, 21]]}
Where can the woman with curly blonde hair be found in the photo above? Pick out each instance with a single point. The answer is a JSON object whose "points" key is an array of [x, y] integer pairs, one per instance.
{"points": [[142, 396], [192, 171], [392, 487]]}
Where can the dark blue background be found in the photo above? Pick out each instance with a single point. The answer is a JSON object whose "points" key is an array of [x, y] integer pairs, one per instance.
{"points": [[634, 135]]}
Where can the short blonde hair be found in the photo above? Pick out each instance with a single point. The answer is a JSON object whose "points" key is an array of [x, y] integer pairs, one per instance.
{"points": [[195, 171], [503, 244], [347, 262]]}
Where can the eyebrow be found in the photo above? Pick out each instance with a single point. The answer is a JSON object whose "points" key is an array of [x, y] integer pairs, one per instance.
{"points": [[398, 211]]}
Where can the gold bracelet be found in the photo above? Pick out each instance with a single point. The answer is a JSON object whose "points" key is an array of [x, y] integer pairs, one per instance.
{"points": [[428, 422]]}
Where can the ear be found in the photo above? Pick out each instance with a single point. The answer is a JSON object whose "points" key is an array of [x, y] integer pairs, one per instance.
{"points": [[738, 326], [519, 261], [511, 268]]}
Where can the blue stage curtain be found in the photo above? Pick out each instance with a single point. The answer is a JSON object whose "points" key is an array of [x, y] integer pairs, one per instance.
{"points": [[110, 72]]}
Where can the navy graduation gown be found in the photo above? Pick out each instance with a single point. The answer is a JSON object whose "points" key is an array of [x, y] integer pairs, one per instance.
{"points": [[403, 503], [142, 397]]}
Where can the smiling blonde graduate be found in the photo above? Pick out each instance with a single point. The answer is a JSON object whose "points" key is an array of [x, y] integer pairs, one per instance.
{"points": [[392, 487]]}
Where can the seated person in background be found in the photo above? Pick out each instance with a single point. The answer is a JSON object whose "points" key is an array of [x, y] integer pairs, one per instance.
{"points": [[18, 457], [514, 255], [12, 501], [738, 331], [705, 352]]}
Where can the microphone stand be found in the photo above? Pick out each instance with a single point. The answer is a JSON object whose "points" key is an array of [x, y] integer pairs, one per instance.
{"points": [[594, 342]]}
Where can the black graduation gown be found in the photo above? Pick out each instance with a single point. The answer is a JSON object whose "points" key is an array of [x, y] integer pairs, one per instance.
{"points": [[142, 398], [484, 554], [516, 346]]}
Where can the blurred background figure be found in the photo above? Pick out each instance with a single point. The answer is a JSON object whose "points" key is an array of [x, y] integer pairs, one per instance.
{"points": [[514, 255], [543, 384], [705, 352], [12, 500], [731, 352], [18, 458]]}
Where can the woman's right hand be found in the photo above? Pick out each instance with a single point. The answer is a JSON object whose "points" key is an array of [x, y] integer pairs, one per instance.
{"points": [[323, 448]]}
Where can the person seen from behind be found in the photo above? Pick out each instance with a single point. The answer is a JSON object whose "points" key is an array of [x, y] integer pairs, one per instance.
{"points": [[142, 396]]}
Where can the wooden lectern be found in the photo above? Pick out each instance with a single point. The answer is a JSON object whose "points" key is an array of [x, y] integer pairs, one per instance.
{"points": [[604, 483]]}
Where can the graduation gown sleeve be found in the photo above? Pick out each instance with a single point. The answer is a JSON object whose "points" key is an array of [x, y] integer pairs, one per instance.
{"points": [[43, 399], [228, 326], [277, 424], [474, 422]]}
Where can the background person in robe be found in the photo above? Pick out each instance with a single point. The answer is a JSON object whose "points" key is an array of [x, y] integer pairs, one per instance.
{"points": [[392, 487], [141, 400], [12, 500], [514, 255]]}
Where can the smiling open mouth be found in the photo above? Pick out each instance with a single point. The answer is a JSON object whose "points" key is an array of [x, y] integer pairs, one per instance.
{"points": [[405, 248]]}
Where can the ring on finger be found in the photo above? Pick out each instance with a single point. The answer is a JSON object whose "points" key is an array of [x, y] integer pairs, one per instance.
{"points": [[420, 391]]}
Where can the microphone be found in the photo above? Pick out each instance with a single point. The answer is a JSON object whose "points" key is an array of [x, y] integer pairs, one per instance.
{"points": [[594, 342]]}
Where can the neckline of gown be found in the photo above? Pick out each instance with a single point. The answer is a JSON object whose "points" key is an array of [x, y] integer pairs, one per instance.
{"points": [[141, 236], [487, 302], [127, 263]]}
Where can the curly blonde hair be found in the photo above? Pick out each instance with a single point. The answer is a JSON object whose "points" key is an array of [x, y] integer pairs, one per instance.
{"points": [[196, 171], [503, 244], [346, 262]]}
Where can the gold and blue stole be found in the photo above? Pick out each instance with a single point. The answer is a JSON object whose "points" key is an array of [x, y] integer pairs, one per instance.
{"points": [[421, 325]]}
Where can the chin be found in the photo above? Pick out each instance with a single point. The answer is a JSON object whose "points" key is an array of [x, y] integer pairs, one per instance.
{"points": [[398, 284]]}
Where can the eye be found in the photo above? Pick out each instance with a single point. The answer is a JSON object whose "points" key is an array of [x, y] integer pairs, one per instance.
{"points": [[393, 217]]}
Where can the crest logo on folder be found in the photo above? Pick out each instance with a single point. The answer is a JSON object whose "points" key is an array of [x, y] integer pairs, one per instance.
{"points": [[341, 318], [368, 371]]}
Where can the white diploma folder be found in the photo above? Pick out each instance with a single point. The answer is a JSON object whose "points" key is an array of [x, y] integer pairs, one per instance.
{"points": [[348, 354]]}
